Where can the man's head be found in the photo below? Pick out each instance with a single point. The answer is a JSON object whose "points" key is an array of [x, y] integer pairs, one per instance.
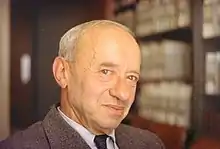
{"points": [[97, 69]]}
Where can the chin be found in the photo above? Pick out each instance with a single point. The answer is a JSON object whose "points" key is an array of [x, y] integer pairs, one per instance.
{"points": [[110, 123]]}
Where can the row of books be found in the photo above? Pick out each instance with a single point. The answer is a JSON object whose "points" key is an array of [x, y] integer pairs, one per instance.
{"points": [[153, 16]]}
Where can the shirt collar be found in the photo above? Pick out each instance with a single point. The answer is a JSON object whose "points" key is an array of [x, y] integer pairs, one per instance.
{"points": [[84, 133]]}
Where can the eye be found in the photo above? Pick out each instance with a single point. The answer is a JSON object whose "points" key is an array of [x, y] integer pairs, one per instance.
{"points": [[133, 78], [105, 71]]}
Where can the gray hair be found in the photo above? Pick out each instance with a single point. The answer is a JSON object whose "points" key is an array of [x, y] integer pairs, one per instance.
{"points": [[69, 40]]}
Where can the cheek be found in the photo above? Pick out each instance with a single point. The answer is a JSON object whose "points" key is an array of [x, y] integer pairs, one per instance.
{"points": [[93, 90], [97, 85], [96, 91], [133, 92]]}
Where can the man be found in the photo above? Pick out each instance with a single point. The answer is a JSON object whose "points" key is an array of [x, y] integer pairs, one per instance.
{"points": [[98, 68]]}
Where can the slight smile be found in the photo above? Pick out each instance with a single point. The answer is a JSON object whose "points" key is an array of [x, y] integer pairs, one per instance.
{"points": [[115, 109]]}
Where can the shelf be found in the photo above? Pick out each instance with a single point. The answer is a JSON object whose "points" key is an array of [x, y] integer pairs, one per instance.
{"points": [[212, 102], [212, 44], [214, 39], [213, 97], [146, 81], [125, 8], [180, 34]]}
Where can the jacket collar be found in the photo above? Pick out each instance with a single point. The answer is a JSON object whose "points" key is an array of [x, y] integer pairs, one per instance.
{"points": [[59, 134]]}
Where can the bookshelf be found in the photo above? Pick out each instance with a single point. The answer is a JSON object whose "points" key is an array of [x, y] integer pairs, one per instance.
{"points": [[201, 104]]}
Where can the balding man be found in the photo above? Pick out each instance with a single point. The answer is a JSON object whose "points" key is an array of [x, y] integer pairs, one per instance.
{"points": [[97, 69]]}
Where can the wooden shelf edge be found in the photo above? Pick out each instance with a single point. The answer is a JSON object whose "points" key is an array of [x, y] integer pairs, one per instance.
{"points": [[184, 80], [212, 38], [125, 8], [180, 34], [212, 44], [213, 96], [212, 102]]}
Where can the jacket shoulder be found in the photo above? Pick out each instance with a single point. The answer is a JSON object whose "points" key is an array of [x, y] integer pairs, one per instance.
{"points": [[144, 137], [31, 138]]}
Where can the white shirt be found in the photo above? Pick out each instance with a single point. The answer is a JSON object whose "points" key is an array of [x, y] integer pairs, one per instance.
{"points": [[88, 136]]}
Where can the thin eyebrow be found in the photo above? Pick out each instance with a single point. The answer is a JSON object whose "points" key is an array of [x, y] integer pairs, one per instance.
{"points": [[110, 64]]}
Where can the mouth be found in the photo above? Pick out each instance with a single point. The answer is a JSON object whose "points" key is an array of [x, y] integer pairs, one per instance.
{"points": [[115, 109]]}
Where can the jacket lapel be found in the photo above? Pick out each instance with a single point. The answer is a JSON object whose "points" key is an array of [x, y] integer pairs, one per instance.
{"points": [[59, 134], [123, 140]]}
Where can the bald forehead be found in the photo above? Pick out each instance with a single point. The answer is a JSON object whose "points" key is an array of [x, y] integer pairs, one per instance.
{"points": [[92, 33], [103, 34], [106, 24], [71, 42]]}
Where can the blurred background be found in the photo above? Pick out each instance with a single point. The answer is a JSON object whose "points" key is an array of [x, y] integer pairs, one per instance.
{"points": [[178, 95]]}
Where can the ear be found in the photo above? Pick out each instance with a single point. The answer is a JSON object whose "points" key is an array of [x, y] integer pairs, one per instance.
{"points": [[59, 72]]}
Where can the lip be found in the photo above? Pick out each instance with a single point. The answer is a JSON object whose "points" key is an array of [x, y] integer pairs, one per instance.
{"points": [[115, 110], [116, 107]]}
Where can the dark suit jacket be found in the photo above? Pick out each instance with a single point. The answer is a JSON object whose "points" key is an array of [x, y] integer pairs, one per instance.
{"points": [[54, 133]]}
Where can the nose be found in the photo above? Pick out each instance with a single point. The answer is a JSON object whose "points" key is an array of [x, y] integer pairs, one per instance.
{"points": [[120, 90]]}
